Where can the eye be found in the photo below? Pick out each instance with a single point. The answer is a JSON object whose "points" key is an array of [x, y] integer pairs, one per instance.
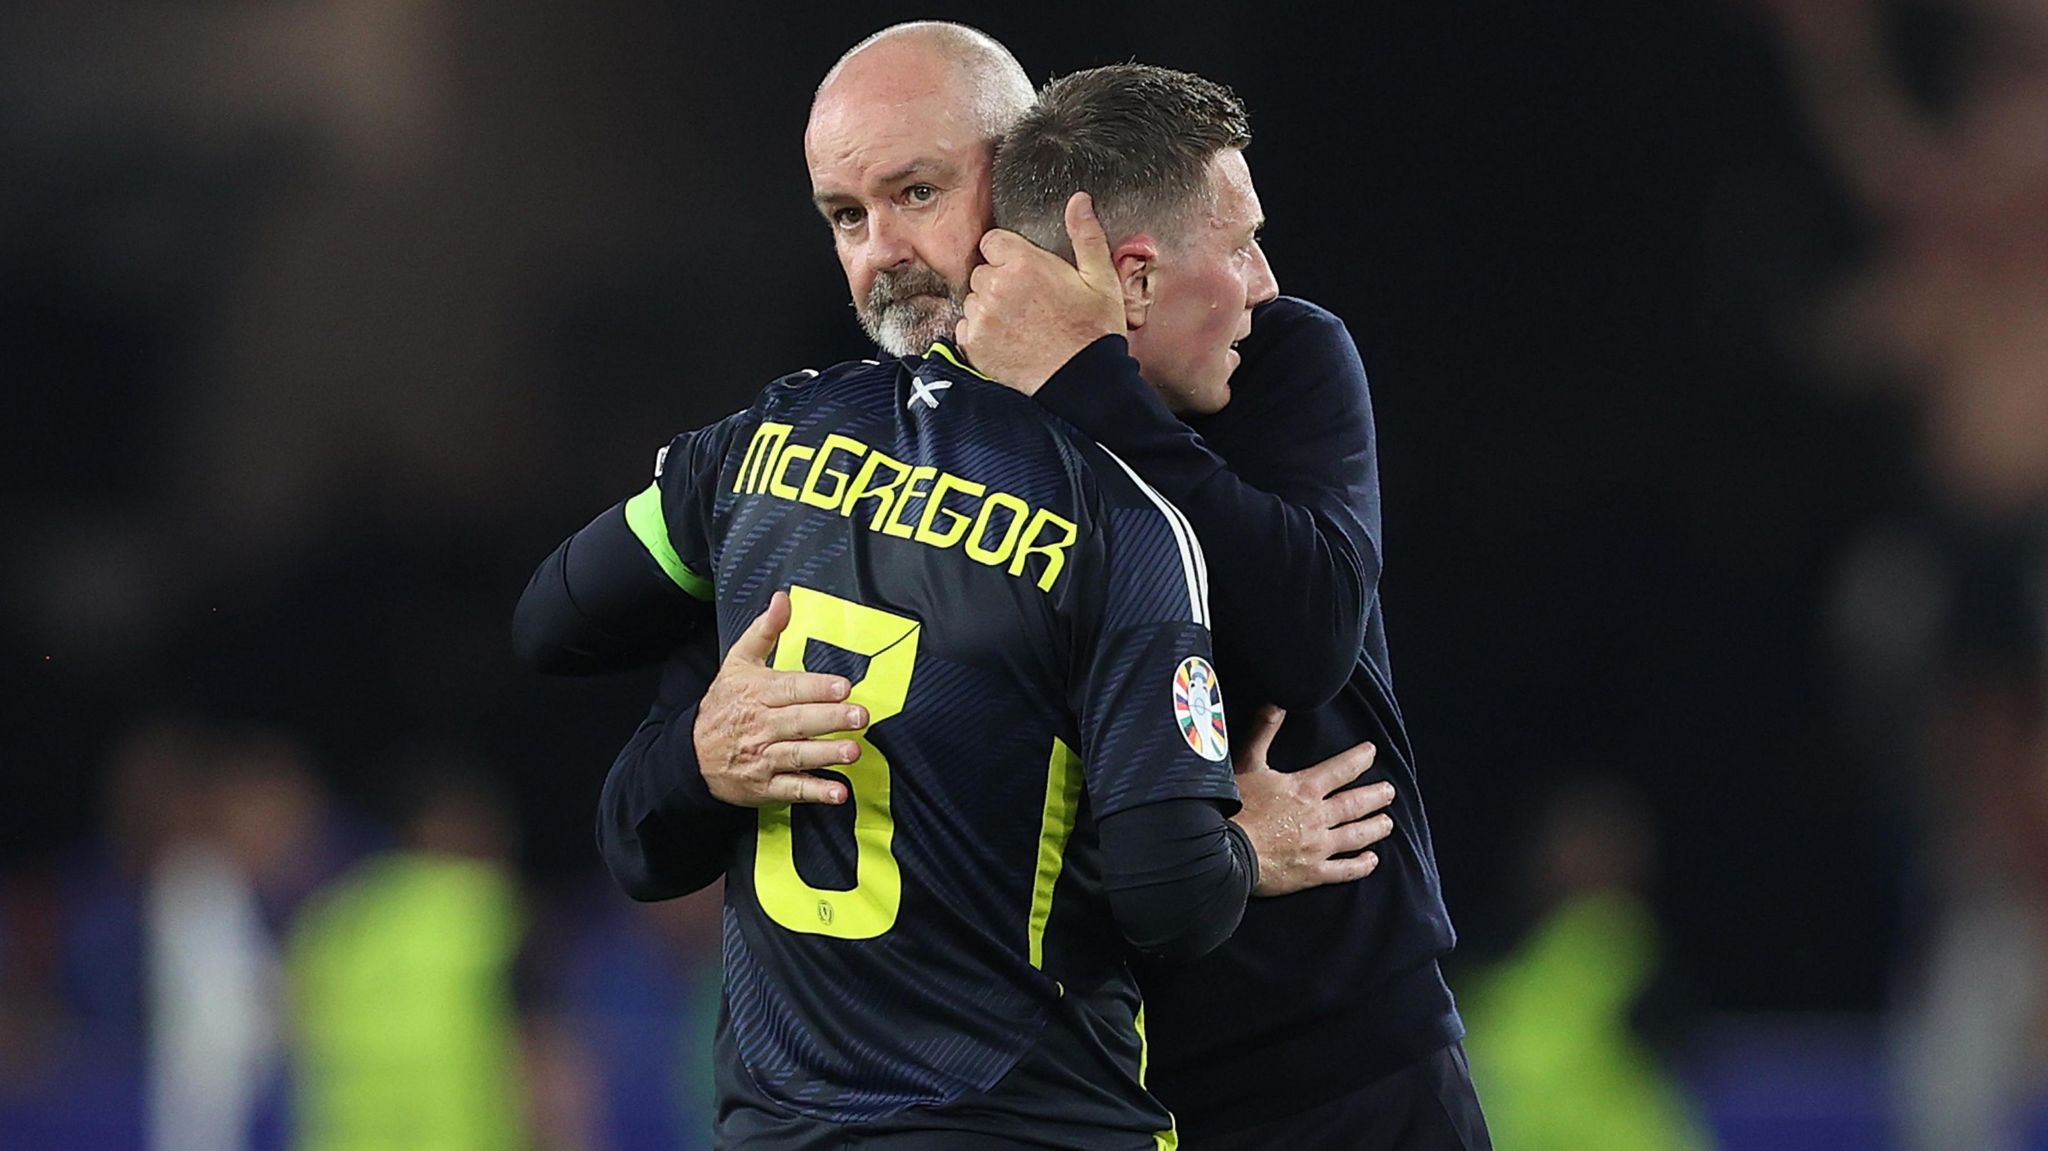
{"points": [[920, 193], [846, 219]]}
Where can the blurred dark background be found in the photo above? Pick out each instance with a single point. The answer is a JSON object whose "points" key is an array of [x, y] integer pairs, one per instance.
{"points": [[1709, 345]]}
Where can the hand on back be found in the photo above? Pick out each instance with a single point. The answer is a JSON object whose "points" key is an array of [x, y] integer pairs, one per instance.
{"points": [[1299, 822], [759, 730]]}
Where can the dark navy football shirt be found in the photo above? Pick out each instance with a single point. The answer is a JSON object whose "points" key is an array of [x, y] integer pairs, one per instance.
{"points": [[1026, 623], [1320, 991]]}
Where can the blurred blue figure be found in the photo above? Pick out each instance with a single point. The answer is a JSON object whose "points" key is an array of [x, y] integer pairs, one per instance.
{"points": [[153, 1002], [149, 800], [640, 985]]}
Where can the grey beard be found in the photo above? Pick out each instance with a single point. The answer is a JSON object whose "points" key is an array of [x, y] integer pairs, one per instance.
{"points": [[906, 312]]}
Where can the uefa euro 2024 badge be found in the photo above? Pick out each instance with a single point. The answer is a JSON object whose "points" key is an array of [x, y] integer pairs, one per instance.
{"points": [[1198, 707]]}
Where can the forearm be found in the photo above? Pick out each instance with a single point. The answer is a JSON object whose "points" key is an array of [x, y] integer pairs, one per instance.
{"points": [[1177, 874], [599, 603], [1254, 541]]}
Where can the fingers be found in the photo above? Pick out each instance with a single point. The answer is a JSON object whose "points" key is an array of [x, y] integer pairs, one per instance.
{"points": [[798, 755], [1339, 769], [1347, 806], [1251, 753], [1000, 246], [1013, 262], [1360, 835], [799, 788], [757, 643], [809, 720], [1091, 246], [1346, 870], [789, 688]]}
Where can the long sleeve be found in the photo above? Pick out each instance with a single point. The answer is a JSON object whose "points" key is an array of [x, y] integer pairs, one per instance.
{"points": [[1294, 564], [659, 829], [1154, 749], [600, 603], [1178, 874], [632, 585], [625, 588]]}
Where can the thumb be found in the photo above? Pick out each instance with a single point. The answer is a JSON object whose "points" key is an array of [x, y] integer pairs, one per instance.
{"points": [[1251, 754], [1091, 244], [757, 643]]}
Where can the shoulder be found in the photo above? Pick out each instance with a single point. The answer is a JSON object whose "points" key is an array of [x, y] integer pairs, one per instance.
{"points": [[1299, 362], [1292, 314], [1128, 505], [988, 425], [811, 381], [1294, 334], [1146, 542]]}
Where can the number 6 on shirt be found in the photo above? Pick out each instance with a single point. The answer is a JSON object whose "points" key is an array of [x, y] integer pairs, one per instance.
{"points": [[869, 908]]}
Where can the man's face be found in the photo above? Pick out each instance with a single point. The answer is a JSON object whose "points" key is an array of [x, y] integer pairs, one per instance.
{"points": [[901, 173], [1202, 288]]}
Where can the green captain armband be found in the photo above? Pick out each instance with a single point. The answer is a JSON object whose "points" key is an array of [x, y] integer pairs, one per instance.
{"points": [[643, 515]]}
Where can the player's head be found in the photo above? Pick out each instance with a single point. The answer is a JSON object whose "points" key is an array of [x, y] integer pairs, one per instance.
{"points": [[1162, 155], [899, 144]]}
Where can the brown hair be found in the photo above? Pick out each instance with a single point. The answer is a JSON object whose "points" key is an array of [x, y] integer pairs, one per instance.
{"points": [[1138, 139]]}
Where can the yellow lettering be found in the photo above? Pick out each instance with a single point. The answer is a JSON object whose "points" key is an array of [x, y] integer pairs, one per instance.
{"points": [[894, 525], [791, 453], [910, 502], [1044, 524], [934, 507], [864, 486], [768, 439], [1019, 511], [813, 494]]}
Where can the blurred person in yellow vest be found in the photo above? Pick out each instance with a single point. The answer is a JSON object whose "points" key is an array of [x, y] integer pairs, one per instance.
{"points": [[1553, 1047], [401, 978]]}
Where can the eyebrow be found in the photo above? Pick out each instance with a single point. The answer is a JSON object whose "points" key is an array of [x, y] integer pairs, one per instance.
{"points": [[890, 177]]}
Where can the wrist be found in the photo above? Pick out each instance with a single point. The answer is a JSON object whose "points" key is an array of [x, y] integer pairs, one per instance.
{"points": [[1096, 385], [1247, 850]]}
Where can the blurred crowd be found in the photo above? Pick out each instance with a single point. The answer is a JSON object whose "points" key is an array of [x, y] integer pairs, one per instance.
{"points": [[237, 961], [324, 319], [1935, 118]]}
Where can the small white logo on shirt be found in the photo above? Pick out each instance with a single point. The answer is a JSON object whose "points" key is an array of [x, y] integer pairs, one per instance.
{"points": [[927, 394], [660, 458]]}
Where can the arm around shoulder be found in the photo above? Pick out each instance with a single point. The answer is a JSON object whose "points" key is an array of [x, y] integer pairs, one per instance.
{"points": [[1289, 520]]}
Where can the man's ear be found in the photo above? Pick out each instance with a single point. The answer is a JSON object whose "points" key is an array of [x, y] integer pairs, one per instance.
{"points": [[1137, 262]]}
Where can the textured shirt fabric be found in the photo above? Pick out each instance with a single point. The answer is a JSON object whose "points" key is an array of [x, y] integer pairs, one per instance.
{"points": [[1317, 992], [1027, 624]]}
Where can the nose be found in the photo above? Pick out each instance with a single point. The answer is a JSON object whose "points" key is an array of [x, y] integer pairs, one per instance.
{"points": [[1263, 284], [888, 243]]}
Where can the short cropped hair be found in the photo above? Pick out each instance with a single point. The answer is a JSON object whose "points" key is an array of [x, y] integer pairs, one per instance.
{"points": [[1137, 138]]}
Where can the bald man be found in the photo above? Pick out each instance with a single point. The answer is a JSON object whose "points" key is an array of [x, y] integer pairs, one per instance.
{"points": [[908, 196], [1334, 1018]]}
